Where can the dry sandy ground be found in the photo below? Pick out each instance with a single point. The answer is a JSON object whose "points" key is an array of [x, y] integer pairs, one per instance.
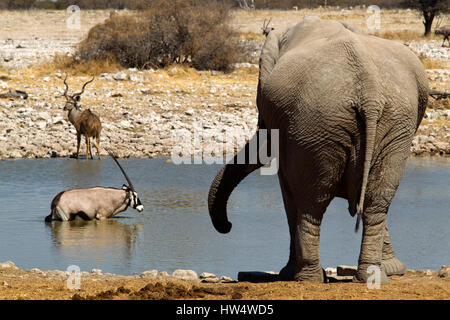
{"points": [[414, 285]]}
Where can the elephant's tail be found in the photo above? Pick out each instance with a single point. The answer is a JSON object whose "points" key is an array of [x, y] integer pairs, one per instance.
{"points": [[370, 117], [226, 180]]}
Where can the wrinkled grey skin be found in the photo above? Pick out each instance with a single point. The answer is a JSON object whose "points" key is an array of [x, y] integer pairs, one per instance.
{"points": [[94, 203], [347, 106]]}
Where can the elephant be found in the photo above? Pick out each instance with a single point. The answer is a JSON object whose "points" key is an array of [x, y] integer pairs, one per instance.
{"points": [[346, 106]]}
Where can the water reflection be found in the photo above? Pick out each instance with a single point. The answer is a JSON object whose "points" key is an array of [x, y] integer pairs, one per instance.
{"points": [[189, 201], [81, 174], [94, 236]]}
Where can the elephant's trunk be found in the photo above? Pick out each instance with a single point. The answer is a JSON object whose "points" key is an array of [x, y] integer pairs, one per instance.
{"points": [[223, 184]]}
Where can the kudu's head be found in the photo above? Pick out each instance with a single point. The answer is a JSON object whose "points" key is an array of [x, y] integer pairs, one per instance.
{"points": [[72, 101], [135, 202], [265, 28]]}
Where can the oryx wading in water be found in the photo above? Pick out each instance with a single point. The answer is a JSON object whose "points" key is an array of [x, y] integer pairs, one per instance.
{"points": [[94, 203]]}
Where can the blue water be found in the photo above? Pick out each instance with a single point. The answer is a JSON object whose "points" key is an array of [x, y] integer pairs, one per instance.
{"points": [[175, 231]]}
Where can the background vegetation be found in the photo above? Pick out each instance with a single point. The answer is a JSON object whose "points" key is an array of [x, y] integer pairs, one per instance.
{"points": [[176, 31], [143, 4]]}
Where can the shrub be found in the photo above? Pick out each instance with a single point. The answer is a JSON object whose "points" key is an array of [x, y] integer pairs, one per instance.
{"points": [[194, 31]]}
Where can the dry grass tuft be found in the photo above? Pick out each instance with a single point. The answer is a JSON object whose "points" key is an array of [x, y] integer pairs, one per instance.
{"points": [[398, 34], [405, 35], [251, 36], [64, 63], [433, 64]]}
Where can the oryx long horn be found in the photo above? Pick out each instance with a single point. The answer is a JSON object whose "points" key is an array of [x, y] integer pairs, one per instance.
{"points": [[438, 22], [123, 171]]}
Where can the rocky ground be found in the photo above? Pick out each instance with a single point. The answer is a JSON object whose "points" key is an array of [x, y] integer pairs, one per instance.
{"points": [[37, 284], [143, 113]]}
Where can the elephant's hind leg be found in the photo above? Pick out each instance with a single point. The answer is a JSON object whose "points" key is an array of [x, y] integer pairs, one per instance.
{"points": [[307, 241], [304, 228], [288, 271], [375, 245]]}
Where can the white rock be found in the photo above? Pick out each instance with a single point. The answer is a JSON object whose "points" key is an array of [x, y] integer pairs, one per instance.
{"points": [[8, 265], [36, 270], [58, 120], [205, 275], [97, 271], [187, 275], [120, 76], [134, 78], [106, 76], [226, 279], [41, 124], [125, 123], [43, 116], [162, 275], [444, 272], [149, 274], [330, 271]]}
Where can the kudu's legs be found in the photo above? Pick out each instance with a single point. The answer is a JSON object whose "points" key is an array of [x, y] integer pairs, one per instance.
{"points": [[78, 143], [97, 144], [90, 149], [87, 147]]}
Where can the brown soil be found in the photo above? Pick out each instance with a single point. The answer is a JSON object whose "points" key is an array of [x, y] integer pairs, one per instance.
{"points": [[414, 285]]}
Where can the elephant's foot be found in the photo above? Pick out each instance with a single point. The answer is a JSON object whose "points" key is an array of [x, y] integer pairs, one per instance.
{"points": [[370, 274], [288, 272], [310, 273], [393, 266]]}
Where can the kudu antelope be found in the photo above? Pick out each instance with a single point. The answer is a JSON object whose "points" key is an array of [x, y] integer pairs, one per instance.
{"points": [[94, 203], [85, 122], [445, 31], [265, 28]]}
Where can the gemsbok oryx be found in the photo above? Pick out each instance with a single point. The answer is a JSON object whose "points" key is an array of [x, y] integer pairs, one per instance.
{"points": [[444, 31], [265, 28], [94, 203], [85, 122]]}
